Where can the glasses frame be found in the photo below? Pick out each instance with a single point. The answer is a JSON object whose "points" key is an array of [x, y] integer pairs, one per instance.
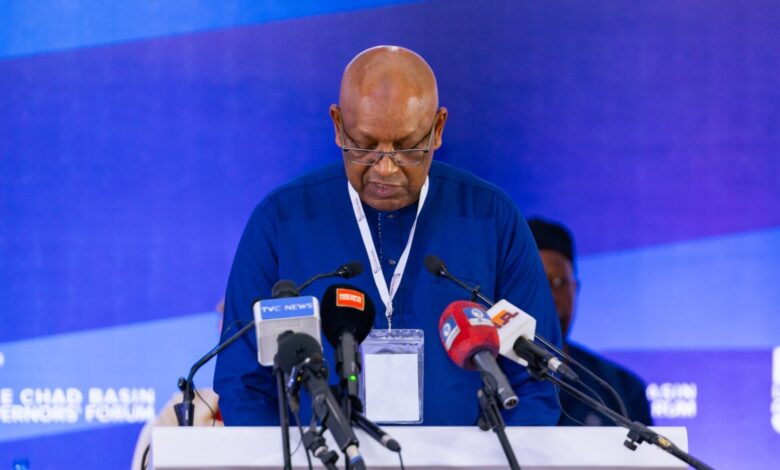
{"points": [[392, 154]]}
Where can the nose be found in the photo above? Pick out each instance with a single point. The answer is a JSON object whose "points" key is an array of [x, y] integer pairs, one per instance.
{"points": [[386, 166]]}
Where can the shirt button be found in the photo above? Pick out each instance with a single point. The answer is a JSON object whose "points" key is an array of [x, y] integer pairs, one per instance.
{"points": [[391, 217], [391, 262]]}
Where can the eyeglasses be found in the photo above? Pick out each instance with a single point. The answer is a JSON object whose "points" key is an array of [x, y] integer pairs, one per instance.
{"points": [[401, 157]]}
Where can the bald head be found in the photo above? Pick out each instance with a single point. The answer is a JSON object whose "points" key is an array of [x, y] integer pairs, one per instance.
{"points": [[387, 80], [388, 102]]}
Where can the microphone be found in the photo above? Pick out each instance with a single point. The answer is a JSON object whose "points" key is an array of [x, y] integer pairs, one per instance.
{"points": [[436, 266], [185, 411], [471, 341], [347, 317], [286, 311], [300, 357], [284, 288], [376, 433], [351, 269], [516, 340], [281, 289], [348, 270]]}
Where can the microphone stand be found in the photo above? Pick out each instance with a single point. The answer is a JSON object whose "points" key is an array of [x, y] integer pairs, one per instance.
{"points": [[437, 267], [284, 417], [315, 443], [350, 396], [185, 411], [491, 418], [322, 407], [637, 432]]}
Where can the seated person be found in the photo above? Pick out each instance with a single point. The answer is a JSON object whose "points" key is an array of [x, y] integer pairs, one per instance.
{"points": [[206, 414], [556, 248]]}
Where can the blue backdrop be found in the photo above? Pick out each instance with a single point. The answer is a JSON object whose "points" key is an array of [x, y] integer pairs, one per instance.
{"points": [[136, 136]]}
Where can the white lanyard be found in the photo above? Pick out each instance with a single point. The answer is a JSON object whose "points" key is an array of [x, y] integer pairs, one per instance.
{"points": [[376, 267]]}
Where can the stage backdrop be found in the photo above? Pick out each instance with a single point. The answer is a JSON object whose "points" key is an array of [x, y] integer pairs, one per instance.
{"points": [[136, 137]]}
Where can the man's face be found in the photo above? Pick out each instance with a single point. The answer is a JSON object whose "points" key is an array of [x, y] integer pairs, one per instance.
{"points": [[387, 186], [560, 274]]}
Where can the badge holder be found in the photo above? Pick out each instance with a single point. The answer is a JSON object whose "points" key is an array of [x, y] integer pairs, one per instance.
{"points": [[392, 388]]}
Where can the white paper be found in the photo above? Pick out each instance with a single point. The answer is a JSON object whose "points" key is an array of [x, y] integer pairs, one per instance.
{"points": [[392, 393]]}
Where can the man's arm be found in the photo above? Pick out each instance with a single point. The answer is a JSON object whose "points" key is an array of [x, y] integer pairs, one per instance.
{"points": [[247, 390], [522, 281]]}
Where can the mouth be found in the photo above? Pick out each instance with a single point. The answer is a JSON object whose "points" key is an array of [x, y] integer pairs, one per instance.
{"points": [[382, 190]]}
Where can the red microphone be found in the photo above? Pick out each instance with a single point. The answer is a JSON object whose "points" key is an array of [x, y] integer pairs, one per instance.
{"points": [[471, 340]]}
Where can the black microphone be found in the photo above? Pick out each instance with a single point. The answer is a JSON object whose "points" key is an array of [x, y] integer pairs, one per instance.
{"points": [[347, 315], [300, 357], [185, 411], [351, 269], [376, 433], [542, 359], [284, 288], [436, 266], [348, 270]]}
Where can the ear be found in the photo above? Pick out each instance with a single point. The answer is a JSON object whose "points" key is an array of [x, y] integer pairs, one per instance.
{"points": [[335, 116], [438, 128]]}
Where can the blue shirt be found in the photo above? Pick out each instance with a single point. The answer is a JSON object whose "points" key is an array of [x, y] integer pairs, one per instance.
{"points": [[307, 226]]}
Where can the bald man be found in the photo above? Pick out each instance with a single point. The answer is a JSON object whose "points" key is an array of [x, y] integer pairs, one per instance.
{"points": [[388, 204]]}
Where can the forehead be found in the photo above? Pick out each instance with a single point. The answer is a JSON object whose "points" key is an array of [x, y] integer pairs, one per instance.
{"points": [[387, 115], [555, 263]]}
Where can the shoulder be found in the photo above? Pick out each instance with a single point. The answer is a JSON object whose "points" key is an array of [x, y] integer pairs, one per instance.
{"points": [[304, 193], [458, 184], [323, 178]]}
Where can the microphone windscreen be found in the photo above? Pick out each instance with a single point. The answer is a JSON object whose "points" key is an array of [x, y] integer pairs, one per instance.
{"points": [[346, 308], [434, 264], [295, 348], [284, 288], [465, 328], [352, 269]]}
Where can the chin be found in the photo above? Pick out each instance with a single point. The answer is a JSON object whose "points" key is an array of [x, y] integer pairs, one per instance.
{"points": [[385, 205]]}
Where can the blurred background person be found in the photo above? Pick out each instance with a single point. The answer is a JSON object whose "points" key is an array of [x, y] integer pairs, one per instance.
{"points": [[206, 414], [556, 249]]}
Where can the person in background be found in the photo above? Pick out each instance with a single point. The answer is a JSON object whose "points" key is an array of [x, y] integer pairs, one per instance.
{"points": [[206, 414], [556, 248]]}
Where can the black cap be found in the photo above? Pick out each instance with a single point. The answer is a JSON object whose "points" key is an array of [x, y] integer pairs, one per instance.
{"points": [[346, 308], [551, 235]]}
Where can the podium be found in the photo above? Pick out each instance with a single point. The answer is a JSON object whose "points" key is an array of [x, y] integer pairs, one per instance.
{"points": [[536, 448]]}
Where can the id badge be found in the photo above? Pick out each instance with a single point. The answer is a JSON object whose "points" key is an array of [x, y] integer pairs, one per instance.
{"points": [[392, 389]]}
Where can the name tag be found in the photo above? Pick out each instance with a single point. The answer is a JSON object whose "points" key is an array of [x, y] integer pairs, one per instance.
{"points": [[393, 376]]}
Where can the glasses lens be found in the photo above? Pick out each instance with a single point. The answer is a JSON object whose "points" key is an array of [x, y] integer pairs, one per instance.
{"points": [[363, 157], [412, 157]]}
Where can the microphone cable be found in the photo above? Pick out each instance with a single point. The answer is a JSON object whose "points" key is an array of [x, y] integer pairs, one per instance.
{"points": [[297, 417], [438, 268], [401, 460], [595, 377]]}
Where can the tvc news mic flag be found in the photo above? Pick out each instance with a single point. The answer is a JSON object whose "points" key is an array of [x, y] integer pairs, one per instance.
{"points": [[275, 316]]}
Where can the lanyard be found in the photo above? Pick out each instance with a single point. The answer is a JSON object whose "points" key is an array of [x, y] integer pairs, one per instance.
{"points": [[376, 267]]}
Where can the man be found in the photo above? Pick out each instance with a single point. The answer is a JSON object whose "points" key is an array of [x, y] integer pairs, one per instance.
{"points": [[388, 125], [556, 249]]}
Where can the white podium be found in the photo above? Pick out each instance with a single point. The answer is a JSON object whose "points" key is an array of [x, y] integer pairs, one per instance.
{"points": [[536, 448]]}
